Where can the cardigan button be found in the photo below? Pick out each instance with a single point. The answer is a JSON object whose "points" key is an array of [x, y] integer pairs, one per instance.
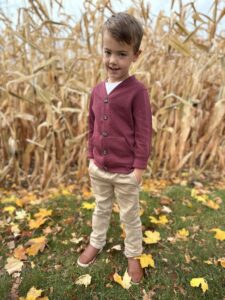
{"points": [[105, 152], [104, 133], [106, 100], [105, 117]]}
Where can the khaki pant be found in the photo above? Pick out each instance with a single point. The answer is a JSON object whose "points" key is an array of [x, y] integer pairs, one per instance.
{"points": [[124, 187]]}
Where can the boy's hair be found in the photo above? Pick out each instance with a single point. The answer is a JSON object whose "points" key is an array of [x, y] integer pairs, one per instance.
{"points": [[125, 28]]}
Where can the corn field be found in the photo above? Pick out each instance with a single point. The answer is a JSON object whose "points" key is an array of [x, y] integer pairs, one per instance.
{"points": [[48, 69]]}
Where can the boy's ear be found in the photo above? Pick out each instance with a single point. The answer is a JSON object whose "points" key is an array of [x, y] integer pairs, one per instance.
{"points": [[136, 55]]}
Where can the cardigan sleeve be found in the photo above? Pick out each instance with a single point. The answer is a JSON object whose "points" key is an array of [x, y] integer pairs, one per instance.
{"points": [[142, 129], [91, 119]]}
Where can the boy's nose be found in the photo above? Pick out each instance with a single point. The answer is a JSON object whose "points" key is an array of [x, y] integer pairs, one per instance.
{"points": [[112, 59]]}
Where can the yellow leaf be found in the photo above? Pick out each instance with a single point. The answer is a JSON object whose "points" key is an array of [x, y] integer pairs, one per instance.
{"points": [[86, 193], [212, 204], [87, 205], [34, 224], [197, 282], [9, 209], [220, 234], [152, 237], [182, 234], [161, 221], [222, 262], [65, 192], [146, 260], [117, 278], [13, 265], [19, 202], [200, 198], [10, 199], [33, 294], [43, 213], [208, 262], [84, 280], [37, 244], [125, 282]]}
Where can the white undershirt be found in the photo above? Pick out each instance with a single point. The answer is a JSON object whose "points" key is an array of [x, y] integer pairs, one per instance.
{"points": [[111, 86]]}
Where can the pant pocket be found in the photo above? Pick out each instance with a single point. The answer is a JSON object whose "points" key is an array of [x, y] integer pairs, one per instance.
{"points": [[135, 179]]}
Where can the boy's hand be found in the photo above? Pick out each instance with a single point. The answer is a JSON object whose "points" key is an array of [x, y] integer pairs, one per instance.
{"points": [[138, 174]]}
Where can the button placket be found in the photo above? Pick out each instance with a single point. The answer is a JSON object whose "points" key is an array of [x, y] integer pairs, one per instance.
{"points": [[105, 131]]}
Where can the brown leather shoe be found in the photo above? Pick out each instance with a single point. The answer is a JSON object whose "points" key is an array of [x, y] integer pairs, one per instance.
{"points": [[88, 257], [135, 270]]}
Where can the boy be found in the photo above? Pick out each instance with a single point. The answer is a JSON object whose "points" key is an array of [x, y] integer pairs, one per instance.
{"points": [[119, 141]]}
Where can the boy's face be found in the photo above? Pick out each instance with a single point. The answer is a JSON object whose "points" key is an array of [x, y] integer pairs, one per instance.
{"points": [[117, 58]]}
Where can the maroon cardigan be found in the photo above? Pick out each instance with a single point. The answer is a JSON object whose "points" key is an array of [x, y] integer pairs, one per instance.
{"points": [[120, 127]]}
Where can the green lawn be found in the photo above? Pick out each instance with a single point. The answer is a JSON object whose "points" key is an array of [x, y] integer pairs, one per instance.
{"points": [[176, 261]]}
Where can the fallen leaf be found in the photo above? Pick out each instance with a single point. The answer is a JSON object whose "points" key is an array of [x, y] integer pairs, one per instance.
{"points": [[34, 294], [116, 247], [37, 244], [146, 260], [87, 205], [13, 265], [212, 204], [34, 224], [84, 280], [9, 209], [47, 230], [11, 245], [200, 198], [187, 258], [199, 282], [15, 229], [141, 211], [76, 240], [20, 253], [86, 193], [43, 213], [152, 237], [222, 261], [148, 295], [116, 208], [123, 234], [220, 234], [208, 262], [21, 215], [182, 234], [166, 210], [165, 200], [161, 221], [125, 282]]}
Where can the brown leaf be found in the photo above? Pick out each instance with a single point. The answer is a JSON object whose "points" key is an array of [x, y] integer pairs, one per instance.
{"points": [[20, 253], [166, 200]]}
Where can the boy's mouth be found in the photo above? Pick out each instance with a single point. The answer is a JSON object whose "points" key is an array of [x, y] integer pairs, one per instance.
{"points": [[113, 69]]}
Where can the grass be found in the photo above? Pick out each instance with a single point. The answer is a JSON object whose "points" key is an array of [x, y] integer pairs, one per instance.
{"points": [[55, 269]]}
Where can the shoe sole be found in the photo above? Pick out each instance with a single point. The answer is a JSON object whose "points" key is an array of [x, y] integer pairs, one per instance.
{"points": [[80, 264]]}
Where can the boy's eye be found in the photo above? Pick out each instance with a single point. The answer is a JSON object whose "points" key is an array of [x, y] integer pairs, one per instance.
{"points": [[123, 54], [107, 52]]}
